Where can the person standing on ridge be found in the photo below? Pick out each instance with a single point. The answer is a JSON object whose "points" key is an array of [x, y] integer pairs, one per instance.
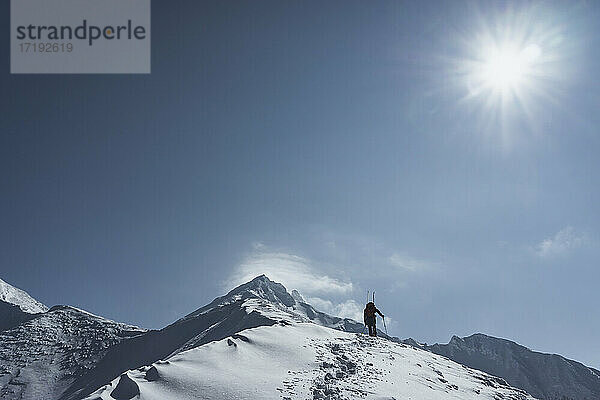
{"points": [[371, 318]]}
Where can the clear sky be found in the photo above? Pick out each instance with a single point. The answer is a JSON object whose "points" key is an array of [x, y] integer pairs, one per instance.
{"points": [[444, 154]]}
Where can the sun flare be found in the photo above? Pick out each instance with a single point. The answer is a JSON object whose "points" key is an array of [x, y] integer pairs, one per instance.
{"points": [[510, 68], [507, 67]]}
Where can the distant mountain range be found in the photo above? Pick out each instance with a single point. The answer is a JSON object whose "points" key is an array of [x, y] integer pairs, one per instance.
{"points": [[65, 353], [545, 376]]}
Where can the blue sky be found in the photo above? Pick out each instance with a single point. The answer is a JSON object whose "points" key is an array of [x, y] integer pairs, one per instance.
{"points": [[338, 147]]}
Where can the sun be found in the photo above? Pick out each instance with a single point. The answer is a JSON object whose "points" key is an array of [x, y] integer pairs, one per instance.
{"points": [[507, 79], [508, 67], [508, 70]]}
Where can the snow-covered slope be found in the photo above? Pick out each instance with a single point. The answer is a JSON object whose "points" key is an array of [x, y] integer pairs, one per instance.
{"points": [[12, 295], [260, 302], [299, 360], [546, 376], [260, 342], [256, 342], [11, 316], [42, 356]]}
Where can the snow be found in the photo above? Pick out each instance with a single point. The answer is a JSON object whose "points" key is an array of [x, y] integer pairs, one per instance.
{"points": [[268, 294], [41, 357], [256, 342], [20, 298], [298, 360]]}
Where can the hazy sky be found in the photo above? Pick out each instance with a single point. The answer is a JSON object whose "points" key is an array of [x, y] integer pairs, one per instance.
{"points": [[338, 147]]}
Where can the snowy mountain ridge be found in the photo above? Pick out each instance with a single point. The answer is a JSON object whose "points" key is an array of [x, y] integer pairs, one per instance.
{"points": [[12, 295], [276, 294], [291, 356], [256, 342]]}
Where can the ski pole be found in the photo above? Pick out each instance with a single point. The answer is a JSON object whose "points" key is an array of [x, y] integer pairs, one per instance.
{"points": [[384, 326]]}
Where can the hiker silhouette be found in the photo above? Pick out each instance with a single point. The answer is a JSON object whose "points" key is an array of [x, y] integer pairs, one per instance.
{"points": [[371, 318]]}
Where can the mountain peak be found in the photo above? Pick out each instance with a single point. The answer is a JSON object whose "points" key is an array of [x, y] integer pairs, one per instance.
{"points": [[260, 280], [12, 295], [270, 294], [481, 339], [455, 340], [263, 287], [259, 287]]}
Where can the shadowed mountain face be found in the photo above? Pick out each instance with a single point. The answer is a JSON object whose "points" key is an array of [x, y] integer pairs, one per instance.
{"points": [[544, 376], [16, 306], [12, 315]]}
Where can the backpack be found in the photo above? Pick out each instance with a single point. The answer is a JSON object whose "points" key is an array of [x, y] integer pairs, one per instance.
{"points": [[370, 309]]}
